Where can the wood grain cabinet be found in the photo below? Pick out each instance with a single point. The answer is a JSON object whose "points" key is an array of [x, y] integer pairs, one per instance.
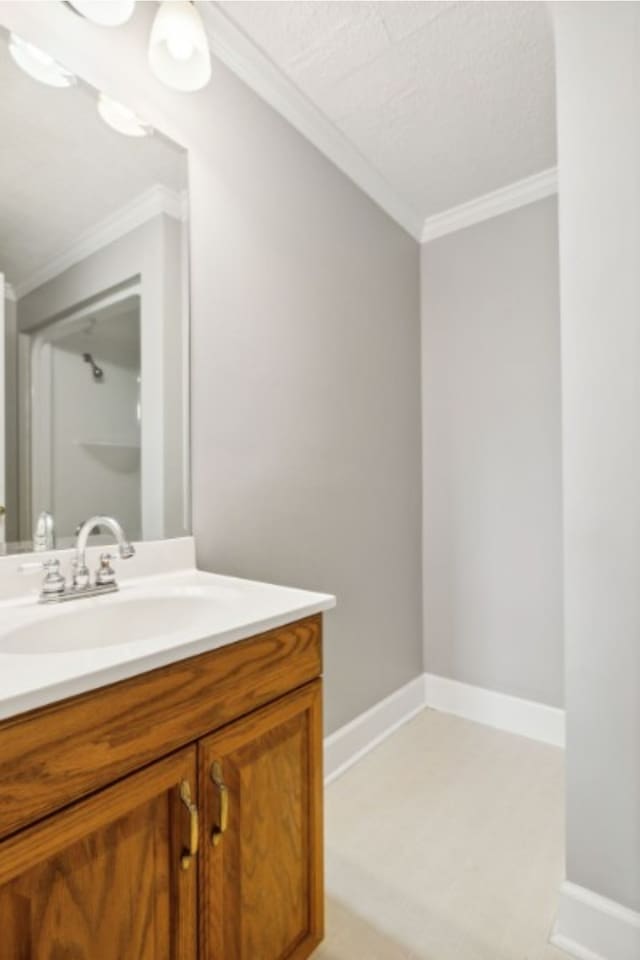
{"points": [[209, 850], [105, 879], [261, 868]]}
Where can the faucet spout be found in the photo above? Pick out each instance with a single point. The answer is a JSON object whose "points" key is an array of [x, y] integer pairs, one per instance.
{"points": [[125, 549]]}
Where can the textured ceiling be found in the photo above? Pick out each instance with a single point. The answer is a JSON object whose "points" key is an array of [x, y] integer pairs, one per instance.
{"points": [[447, 100], [62, 169]]}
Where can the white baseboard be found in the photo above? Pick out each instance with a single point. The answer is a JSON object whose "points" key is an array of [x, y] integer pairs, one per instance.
{"points": [[525, 717], [348, 744], [591, 927], [538, 721]]}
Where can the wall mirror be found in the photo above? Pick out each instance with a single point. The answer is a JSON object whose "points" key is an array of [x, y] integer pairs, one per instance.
{"points": [[94, 318]]}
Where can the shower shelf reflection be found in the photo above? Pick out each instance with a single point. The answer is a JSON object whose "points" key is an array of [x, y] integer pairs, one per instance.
{"points": [[116, 456]]}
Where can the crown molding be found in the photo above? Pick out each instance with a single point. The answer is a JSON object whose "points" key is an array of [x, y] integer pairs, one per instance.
{"points": [[157, 200], [515, 195], [9, 292], [248, 62]]}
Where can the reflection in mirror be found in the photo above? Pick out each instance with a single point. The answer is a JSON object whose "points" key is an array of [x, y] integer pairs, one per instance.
{"points": [[93, 310]]}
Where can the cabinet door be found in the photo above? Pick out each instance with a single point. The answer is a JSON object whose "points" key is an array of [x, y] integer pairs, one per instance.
{"points": [[110, 877], [261, 865]]}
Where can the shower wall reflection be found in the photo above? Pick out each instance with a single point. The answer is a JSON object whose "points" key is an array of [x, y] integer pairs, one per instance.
{"points": [[86, 416]]}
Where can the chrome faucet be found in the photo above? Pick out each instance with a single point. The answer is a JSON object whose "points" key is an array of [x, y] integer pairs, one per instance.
{"points": [[44, 537], [105, 575], [55, 588]]}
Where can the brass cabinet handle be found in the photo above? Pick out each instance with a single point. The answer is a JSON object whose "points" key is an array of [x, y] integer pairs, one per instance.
{"points": [[185, 796], [3, 510], [223, 794]]}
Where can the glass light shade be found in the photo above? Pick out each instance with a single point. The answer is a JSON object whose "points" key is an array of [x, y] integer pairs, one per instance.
{"points": [[178, 48], [120, 118], [107, 13], [38, 64]]}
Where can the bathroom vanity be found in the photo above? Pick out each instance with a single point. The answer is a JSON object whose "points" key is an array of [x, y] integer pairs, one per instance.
{"points": [[175, 813]]}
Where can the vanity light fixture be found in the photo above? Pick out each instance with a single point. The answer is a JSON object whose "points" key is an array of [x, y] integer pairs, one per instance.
{"points": [[178, 48], [107, 13], [121, 118], [38, 64]]}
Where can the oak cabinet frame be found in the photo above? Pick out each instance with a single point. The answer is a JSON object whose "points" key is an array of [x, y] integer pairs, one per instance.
{"points": [[105, 797]]}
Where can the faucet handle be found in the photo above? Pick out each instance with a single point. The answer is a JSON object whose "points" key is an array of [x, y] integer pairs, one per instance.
{"points": [[80, 577], [53, 582], [50, 565], [105, 573], [31, 566]]}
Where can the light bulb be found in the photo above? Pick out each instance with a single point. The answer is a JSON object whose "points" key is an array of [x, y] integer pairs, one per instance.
{"points": [[38, 64], [178, 47], [121, 118]]}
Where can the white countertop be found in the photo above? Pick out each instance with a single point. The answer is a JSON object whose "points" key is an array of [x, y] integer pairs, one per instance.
{"points": [[88, 648]]}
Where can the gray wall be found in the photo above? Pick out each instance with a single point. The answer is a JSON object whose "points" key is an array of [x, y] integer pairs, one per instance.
{"points": [[305, 320], [307, 404], [491, 435]]}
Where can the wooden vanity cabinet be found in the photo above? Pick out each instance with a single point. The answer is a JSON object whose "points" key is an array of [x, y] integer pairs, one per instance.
{"points": [[103, 879], [261, 871], [210, 850]]}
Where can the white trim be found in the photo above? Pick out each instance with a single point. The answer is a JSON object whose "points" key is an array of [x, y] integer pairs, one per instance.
{"points": [[350, 743], [231, 45], [245, 58], [592, 927], [9, 292], [151, 203], [527, 718], [515, 195]]}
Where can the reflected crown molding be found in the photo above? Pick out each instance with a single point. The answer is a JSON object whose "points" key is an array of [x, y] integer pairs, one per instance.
{"points": [[157, 200]]}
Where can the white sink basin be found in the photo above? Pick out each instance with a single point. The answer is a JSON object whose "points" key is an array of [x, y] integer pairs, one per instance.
{"points": [[107, 624], [50, 651]]}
